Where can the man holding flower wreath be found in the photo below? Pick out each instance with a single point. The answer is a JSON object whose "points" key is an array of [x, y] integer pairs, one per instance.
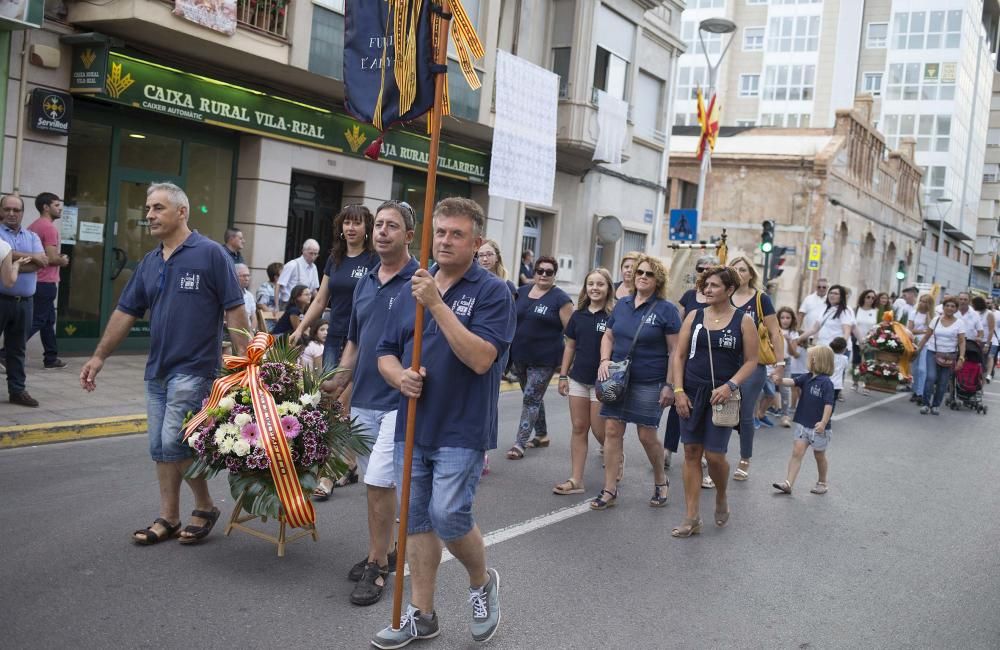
{"points": [[187, 284]]}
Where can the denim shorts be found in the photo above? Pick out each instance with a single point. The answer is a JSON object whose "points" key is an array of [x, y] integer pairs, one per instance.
{"points": [[442, 488], [641, 405], [378, 467], [817, 441], [168, 401]]}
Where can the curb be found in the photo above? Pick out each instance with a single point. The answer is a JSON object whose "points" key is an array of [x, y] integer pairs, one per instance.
{"points": [[50, 432]]}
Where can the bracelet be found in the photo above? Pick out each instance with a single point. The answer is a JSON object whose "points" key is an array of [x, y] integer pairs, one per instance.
{"points": [[563, 378], [667, 384], [678, 390], [732, 385], [780, 364]]}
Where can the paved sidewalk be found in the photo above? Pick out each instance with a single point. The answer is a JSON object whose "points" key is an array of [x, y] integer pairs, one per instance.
{"points": [[65, 408]]}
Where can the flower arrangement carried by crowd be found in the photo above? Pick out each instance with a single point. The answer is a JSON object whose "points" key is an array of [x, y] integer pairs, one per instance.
{"points": [[318, 436], [884, 370], [885, 338]]}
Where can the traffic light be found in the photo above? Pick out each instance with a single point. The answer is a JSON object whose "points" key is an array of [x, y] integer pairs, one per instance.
{"points": [[777, 263], [767, 236], [901, 271]]}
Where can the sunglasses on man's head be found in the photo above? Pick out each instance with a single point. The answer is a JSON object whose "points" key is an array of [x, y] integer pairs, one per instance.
{"points": [[648, 274], [546, 271]]}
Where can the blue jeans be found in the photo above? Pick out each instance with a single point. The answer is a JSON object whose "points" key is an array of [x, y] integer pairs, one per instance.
{"points": [[919, 373], [938, 380], [750, 390], [442, 488], [44, 319], [168, 401], [15, 319]]}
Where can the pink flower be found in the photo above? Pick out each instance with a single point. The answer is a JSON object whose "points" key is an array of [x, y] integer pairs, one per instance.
{"points": [[251, 433], [291, 426]]}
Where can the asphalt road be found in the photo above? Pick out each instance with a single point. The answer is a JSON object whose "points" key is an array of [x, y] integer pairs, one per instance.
{"points": [[901, 553]]}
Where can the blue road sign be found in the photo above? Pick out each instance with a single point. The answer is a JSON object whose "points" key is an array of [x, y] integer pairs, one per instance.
{"points": [[683, 225]]}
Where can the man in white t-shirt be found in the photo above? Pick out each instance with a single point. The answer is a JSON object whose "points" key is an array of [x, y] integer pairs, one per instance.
{"points": [[301, 270], [971, 320], [813, 303], [906, 305]]}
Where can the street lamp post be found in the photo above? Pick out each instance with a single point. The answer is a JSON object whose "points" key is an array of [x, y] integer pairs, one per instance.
{"points": [[712, 26], [940, 242]]}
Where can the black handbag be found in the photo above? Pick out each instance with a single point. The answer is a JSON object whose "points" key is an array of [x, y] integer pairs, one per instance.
{"points": [[613, 389]]}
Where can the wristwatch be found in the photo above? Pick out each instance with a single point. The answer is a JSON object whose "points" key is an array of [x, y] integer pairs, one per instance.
{"points": [[780, 364], [732, 385]]}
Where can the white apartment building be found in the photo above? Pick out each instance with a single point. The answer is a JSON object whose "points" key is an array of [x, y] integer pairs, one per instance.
{"points": [[986, 262], [928, 63]]}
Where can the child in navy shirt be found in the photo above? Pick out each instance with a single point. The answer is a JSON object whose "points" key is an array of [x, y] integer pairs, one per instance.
{"points": [[812, 417]]}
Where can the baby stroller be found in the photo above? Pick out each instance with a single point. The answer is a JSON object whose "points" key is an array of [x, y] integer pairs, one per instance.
{"points": [[967, 386]]}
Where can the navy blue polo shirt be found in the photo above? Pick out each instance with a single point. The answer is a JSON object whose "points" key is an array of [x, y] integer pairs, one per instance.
{"points": [[751, 307], [372, 301], [649, 359], [727, 352], [458, 407], [689, 301], [186, 296], [343, 280], [538, 340], [817, 392], [586, 329]]}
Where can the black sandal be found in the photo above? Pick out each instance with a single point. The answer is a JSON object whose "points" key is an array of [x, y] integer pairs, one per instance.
{"points": [[537, 443], [659, 498], [151, 536], [347, 479], [600, 503], [197, 533]]}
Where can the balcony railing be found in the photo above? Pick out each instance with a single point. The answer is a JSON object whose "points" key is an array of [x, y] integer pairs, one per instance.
{"points": [[269, 16]]}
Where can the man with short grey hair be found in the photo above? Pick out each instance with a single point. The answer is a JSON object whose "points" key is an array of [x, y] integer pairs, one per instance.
{"points": [[233, 240], [188, 287], [301, 270], [249, 302]]}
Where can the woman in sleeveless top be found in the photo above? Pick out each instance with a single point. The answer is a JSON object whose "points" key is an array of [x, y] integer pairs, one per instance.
{"points": [[733, 360]]}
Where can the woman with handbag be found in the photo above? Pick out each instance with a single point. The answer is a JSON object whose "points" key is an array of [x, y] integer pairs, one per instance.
{"points": [[716, 356], [945, 344], [923, 315], [771, 345], [543, 310], [633, 377]]}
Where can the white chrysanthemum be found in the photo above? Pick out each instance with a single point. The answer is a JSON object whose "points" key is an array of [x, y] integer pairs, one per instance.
{"points": [[242, 419], [193, 438], [289, 408], [310, 399], [229, 430], [219, 436], [227, 403], [241, 447], [226, 446]]}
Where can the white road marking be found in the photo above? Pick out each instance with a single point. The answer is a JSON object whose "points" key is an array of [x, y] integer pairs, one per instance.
{"points": [[543, 521]]}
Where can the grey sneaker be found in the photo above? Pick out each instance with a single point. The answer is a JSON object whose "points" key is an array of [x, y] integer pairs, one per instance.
{"points": [[935, 411], [924, 410], [412, 626], [486, 608]]}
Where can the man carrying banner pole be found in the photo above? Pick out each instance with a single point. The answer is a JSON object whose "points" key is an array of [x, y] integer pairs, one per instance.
{"points": [[471, 321]]}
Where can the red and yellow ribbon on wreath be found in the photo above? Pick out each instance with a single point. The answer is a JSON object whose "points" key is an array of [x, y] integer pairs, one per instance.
{"points": [[299, 511], [906, 337]]}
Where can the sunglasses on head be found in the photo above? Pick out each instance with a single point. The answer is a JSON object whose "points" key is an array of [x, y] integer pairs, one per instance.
{"points": [[546, 271], [648, 274]]}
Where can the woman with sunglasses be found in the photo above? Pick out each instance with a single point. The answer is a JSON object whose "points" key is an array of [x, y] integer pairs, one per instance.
{"points": [[943, 348], [543, 310], [650, 389], [747, 298], [865, 318]]}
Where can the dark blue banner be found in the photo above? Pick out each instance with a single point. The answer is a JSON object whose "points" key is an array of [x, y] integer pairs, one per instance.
{"points": [[367, 32]]}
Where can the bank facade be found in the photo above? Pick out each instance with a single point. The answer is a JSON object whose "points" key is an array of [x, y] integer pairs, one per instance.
{"points": [[252, 124]]}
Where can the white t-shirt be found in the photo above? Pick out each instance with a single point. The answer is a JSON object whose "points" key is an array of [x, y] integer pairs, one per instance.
{"points": [[918, 322], [298, 271], [996, 328], [796, 365], [945, 339], [972, 322], [4, 249], [839, 368], [866, 320], [810, 304], [901, 307], [250, 305], [832, 325]]}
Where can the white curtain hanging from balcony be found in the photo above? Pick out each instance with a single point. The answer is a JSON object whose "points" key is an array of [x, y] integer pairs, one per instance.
{"points": [[612, 127]]}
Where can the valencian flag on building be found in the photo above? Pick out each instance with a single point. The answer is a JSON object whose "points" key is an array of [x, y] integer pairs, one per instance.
{"points": [[709, 121], [389, 59]]}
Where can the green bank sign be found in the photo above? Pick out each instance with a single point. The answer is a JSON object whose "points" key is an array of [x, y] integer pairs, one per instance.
{"points": [[164, 90]]}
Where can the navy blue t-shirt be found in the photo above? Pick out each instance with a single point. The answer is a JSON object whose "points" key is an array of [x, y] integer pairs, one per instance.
{"points": [[727, 352], [538, 340], [817, 392], [372, 301], [586, 328], [751, 307], [649, 360], [458, 408], [186, 297], [689, 301], [343, 279], [284, 324]]}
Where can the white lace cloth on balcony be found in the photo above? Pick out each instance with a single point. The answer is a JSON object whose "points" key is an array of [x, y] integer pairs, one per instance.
{"points": [[612, 116]]}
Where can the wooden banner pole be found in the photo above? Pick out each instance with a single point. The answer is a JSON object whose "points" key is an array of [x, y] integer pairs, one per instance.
{"points": [[441, 58]]}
